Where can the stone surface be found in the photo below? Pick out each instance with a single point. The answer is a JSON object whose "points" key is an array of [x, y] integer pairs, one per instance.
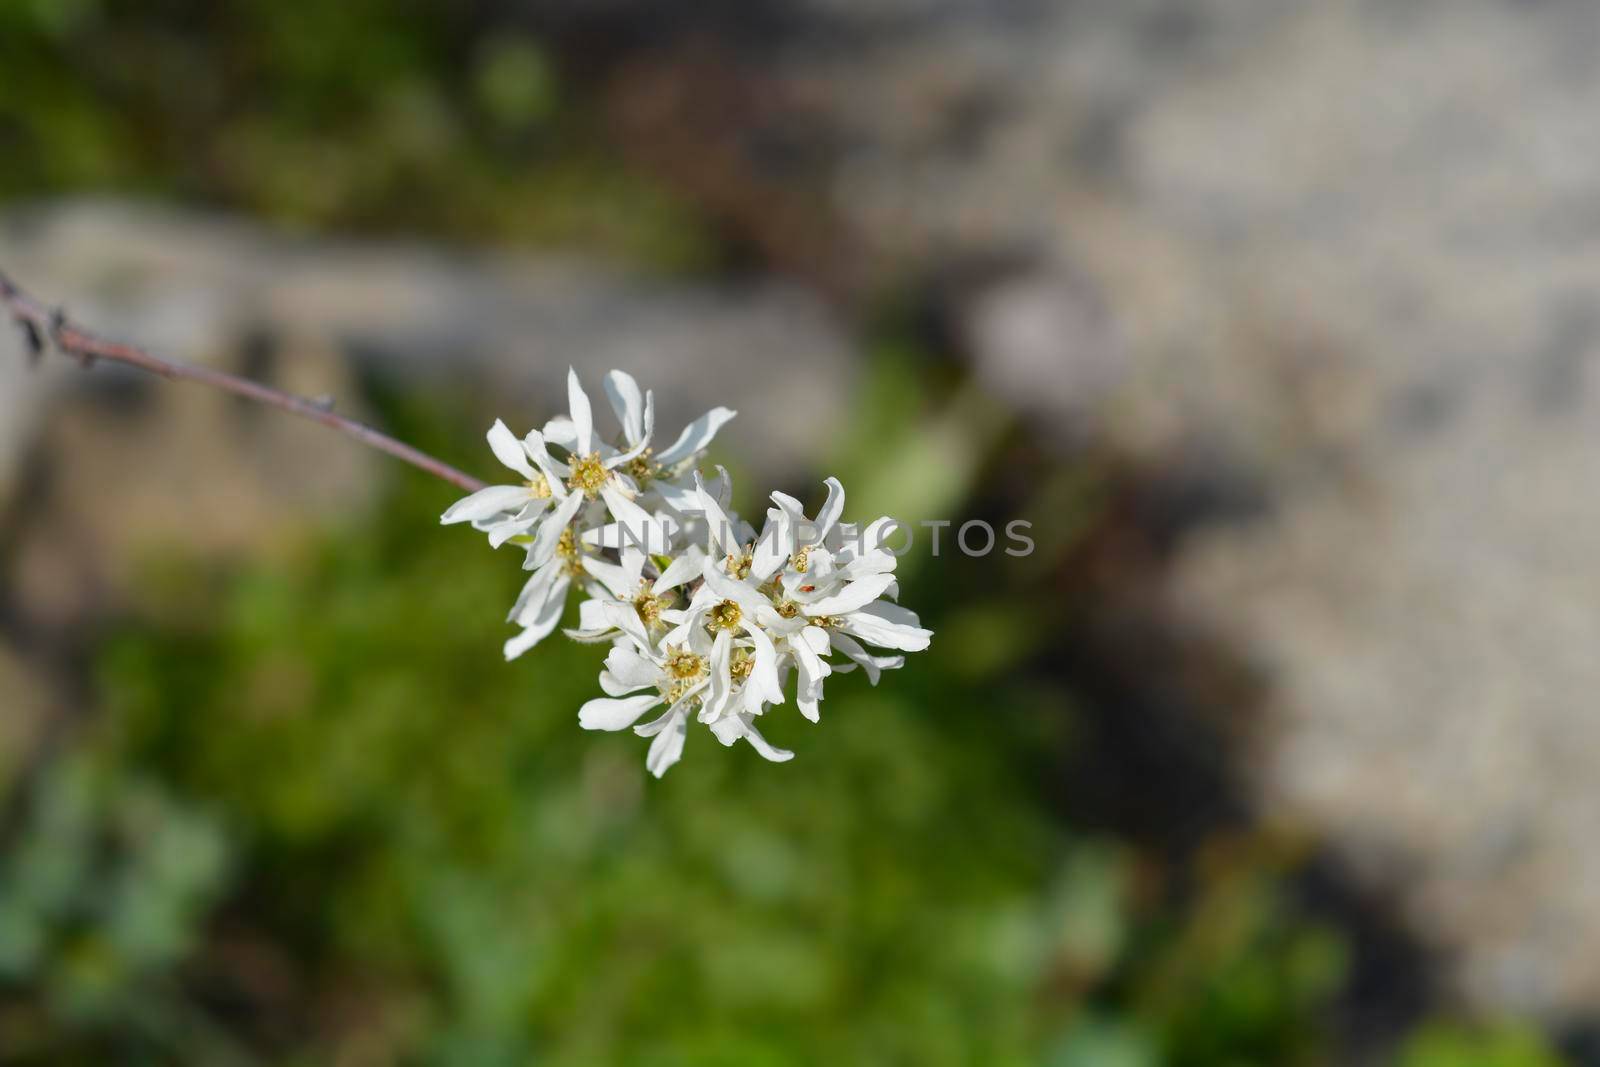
{"points": [[211, 289], [1351, 250]]}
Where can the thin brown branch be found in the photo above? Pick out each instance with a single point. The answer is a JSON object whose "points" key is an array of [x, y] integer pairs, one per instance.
{"points": [[40, 324]]}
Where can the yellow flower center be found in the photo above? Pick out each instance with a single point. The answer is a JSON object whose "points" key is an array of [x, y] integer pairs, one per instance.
{"points": [[741, 664], [649, 606], [571, 550], [685, 668], [725, 616], [801, 559], [739, 565], [788, 609], [539, 486], [643, 469], [684, 664], [588, 475]]}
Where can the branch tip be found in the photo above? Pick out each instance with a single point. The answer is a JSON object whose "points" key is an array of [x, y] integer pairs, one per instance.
{"points": [[44, 326], [33, 340]]}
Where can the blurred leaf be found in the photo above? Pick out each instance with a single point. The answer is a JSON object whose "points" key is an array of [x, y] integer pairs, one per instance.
{"points": [[515, 85], [1450, 1045]]}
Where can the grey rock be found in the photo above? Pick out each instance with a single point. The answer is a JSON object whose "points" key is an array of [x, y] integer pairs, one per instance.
{"points": [[203, 288], [1355, 248]]}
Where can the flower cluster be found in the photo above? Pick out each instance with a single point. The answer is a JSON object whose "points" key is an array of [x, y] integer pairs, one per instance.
{"points": [[703, 614]]}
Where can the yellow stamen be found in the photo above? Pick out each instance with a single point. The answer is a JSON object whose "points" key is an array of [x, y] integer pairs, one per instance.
{"points": [[588, 475], [725, 616], [742, 662], [643, 469], [571, 550], [683, 663], [649, 605]]}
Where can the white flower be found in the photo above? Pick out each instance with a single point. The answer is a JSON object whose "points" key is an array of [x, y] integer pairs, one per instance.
{"points": [[704, 615], [691, 672], [543, 599], [836, 581], [591, 471], [661, 475], [505, 511], [651, 595]]}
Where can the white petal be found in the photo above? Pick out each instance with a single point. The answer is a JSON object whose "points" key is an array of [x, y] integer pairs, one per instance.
{"points": [[790, 506], [521, 523], [872, 665], [896, 614], [591, 636], [555, 472], [535, 591], [667, 748], [810, 704], [582, 416], [628, 667], [626, 619], [722, 488], [764, 675], [616, 460], [551, 527], [676, 495], [728, 729], [888, 626], [853, 597], [832, 508], [683, 568], [868, 541], [539, 626], [720, 687], [493, 500], [619, 580], [508, 450], [773, 548], [644, 530], [591, 616], [726, 588], [759, 743], [560, 431], [695, 436], [718, 525], [660, 722], [810, 670], [870, 563], [615, 713], [633, 561], [626, 401]]}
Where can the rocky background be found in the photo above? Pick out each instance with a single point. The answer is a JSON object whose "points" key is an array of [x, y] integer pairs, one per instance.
{"points": [[1314, 283]]}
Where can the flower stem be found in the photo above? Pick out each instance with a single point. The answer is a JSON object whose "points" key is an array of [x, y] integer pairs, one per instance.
{"points": [[40, 324]]}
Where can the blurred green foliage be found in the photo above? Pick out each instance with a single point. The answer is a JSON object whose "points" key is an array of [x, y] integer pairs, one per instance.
{"points": [[374, 839], [428, 118], [1454, 1045]]}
